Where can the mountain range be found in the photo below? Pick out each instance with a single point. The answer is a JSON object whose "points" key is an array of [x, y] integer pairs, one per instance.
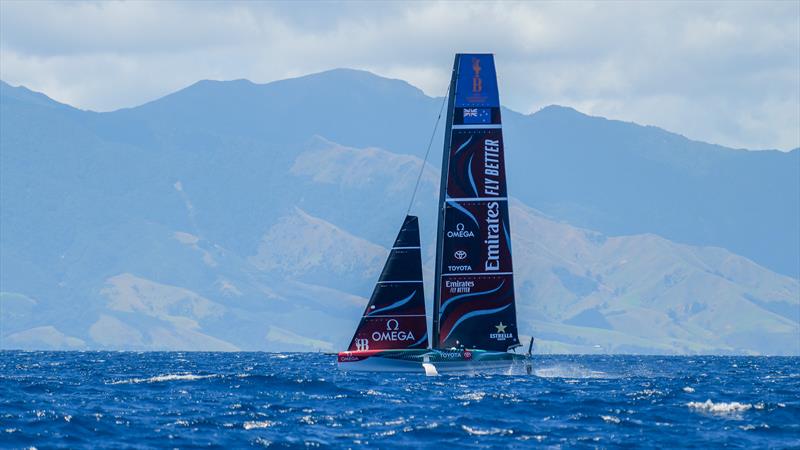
{"points": [[233, 215]]}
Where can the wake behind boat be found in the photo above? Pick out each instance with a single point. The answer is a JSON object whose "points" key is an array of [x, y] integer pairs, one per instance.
{"points": [[474, 326]]}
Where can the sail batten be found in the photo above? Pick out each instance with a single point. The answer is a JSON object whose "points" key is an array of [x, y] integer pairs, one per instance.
{"points": [[474, 288]]}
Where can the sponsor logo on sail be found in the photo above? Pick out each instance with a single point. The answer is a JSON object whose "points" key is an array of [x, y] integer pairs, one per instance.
{"points": [[459, 287], [460, 254], [461, 268], [460, 232], [501, 334], [477, 81], [491, 167], [362, 344], [492, 263], [392, 334]]}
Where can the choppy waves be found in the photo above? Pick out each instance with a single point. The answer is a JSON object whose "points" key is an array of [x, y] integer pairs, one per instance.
{"points": [[87, 400]]}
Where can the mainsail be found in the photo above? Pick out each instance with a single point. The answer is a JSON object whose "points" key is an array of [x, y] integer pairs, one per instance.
{"points": [[395, 315], [474, 290]]}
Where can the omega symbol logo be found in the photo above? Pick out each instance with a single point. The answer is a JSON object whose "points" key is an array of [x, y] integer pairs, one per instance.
{"points": [[460, 254], [460, 232], [389, 325]]}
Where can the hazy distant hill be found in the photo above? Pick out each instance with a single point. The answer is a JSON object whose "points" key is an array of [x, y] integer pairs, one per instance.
{"points": [[235, 215], [610, 176]]}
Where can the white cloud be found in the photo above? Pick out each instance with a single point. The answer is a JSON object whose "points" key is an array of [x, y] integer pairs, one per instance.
{"points": [[723, 72]]}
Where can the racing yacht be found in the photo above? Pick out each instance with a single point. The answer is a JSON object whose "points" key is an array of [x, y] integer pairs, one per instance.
{"points": [[474, 323]]}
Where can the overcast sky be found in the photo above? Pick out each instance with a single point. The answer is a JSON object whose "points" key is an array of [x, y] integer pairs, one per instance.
{"points": [[726, 73]]}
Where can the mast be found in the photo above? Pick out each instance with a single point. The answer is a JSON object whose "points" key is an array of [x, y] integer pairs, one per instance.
{"points": [[442, 196], [474, 287]]}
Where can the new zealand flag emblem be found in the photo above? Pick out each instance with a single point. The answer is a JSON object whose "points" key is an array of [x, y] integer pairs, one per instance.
{"points": [[477, 115]]}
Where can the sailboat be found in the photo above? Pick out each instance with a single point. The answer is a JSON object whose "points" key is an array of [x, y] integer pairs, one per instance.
{"points": [[474, 324]]}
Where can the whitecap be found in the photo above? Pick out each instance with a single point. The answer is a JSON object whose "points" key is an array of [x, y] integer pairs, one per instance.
{"points": [[536, 437], [645, 393], [427, 426], [688, 389], [474, 396], [610, 419], [308, 420], [749, 427], [720, 407], [162, 378], [398, 421], [475, 431], [263, 442], [250, 425], [569, 372]]}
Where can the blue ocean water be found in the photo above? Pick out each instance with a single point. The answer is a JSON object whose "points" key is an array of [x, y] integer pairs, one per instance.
{"points": [[175, 399]]}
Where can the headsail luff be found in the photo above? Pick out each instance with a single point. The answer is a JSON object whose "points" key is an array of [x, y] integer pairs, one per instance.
{"points": [[474, 291], [395, 315]]}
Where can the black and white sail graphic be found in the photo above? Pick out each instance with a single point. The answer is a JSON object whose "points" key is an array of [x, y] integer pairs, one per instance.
{"points": [[395, 315], [474, 292]]}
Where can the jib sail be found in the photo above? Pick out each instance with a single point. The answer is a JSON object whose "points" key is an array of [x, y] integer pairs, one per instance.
{"points": [[395, 315], [474, 290]]}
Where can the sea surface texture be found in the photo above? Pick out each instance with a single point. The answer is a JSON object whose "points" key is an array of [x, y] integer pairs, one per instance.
{"points": [[173, 399]]}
